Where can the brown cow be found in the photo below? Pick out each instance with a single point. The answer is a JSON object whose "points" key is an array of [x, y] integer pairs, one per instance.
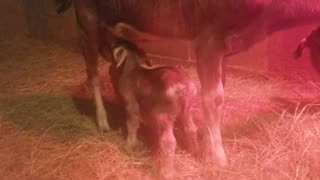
{"points": [[206, 23]]}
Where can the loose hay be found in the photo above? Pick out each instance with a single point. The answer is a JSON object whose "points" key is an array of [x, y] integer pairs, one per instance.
{"points": [[270, 131]]}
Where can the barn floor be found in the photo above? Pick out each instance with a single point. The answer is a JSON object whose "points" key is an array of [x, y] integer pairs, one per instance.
{"points": [[271, 126]]}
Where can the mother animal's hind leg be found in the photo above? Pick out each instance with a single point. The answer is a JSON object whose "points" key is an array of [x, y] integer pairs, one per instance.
{"points": [[210, 51], [88, 23]]}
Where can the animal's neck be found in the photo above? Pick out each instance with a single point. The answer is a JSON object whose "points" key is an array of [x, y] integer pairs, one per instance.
{"points": [[129, 66]]}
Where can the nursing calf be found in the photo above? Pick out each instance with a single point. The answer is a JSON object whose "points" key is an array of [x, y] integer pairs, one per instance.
{"points": [[157, 97]]}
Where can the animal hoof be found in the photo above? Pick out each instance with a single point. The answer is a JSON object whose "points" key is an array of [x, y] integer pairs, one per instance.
{"points": [[103, 127], [222, 162], [221, 158], [103, 124], [166, 177], [134, 147], [217, 159], [166, 174], [129, 148], [214, 156]]}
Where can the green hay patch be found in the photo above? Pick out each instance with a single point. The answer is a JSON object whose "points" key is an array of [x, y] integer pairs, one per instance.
{"points": [[55, 114]]}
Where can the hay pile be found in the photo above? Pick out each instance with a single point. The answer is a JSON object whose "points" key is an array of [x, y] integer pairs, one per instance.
{"points": [[271, 128]]}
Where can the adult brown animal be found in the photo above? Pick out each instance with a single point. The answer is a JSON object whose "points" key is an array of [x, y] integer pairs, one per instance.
{"points": [[206, 23]]}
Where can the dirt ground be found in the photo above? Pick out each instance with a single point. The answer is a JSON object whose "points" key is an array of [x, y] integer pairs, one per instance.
{"points": [[271, 125]]}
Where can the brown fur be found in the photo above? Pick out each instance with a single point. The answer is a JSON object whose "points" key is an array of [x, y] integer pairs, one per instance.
{"points": [[157, 97], [207, 23]]}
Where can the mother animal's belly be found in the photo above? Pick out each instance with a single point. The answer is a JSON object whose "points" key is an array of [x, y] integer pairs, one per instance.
{"points": [[162, 18]]}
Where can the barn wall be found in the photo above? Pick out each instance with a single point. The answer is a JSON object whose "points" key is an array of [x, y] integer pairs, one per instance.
{"points": [[44, 23], [37, 19], [275, 54], [255, 59], [280, 57], [12, 19]]}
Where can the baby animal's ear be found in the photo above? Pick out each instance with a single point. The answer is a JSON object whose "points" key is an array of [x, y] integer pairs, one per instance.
{"points": [[120, 54]]}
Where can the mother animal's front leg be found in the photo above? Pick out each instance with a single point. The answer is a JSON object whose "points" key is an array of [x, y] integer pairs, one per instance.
{"points": [[209, 52], [89, 37]]}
